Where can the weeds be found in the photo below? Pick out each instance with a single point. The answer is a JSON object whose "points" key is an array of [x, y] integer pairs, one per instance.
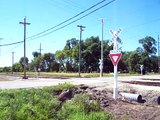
{"points": [[41, 104]]}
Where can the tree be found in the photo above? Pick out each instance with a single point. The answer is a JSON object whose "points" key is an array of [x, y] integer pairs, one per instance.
{"points": [[6, 69], [107, 63], [67, 58], [134, 62], [21, 61], [47, 61], [149, 45], [154, 65], [36, 54], [91, 54], [124, 62], [17, 67], [60, 57], [148, 53]]}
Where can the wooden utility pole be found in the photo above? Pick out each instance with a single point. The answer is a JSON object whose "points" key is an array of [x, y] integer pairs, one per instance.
{"points": [[24, 23], [79, 66], [40, 49], [12, 61], [0, 45], [158, 55], [101, 61]]}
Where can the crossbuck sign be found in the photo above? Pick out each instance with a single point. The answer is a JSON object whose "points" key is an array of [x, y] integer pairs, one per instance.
{"points": [[115, 56]]}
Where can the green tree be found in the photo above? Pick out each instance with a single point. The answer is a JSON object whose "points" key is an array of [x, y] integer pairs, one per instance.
{"points": [[154, 65], [36, 54], [47, 61], [134, 62], [6, 69], [60, 57], [67, 58], [17, 67], [91, 54], [147, 53], [149, 45], [21, 61], [124, 62]]}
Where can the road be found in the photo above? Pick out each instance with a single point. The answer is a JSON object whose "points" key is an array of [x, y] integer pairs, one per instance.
{"points": [[108, 82]]}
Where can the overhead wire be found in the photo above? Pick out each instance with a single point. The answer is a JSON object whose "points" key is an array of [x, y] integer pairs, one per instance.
{"points": [[75, 20], [69, 19], [8, 44], [36, 36], [8, 51]]}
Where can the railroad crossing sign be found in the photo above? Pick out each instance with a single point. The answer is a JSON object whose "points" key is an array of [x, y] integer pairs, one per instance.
{"points": [[115, 57]]}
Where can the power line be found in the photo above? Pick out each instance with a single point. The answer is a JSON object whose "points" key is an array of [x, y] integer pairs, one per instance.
{"points": [[34, 36], [4, 53], [12, 43], [68, 19], [74, 20]]}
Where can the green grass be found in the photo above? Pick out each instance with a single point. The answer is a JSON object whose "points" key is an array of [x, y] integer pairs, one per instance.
{"points": [[62, 74], [54, 74], [42, 104]]}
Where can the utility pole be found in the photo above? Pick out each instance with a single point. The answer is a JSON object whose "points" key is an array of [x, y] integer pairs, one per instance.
{"points": [[40, 49], [79, 66], [12, 61], [158, 55], [0, 44], [101, 61], [24, 23]]}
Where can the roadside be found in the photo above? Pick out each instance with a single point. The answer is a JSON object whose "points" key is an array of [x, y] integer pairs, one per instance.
{"points": [[121, 108]]}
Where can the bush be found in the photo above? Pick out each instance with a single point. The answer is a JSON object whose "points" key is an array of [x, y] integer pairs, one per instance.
{"points": [[42, 104], [26, 104], [82, 108]]}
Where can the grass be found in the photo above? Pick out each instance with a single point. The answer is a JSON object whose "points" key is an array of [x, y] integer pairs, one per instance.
{"points": [[42, 104], [54, 74]]}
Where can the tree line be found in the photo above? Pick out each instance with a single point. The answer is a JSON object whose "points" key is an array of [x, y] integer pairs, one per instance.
{"points": [[67, 60]]}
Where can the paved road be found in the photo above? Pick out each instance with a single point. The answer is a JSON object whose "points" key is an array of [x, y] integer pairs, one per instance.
{"points": [[15, 82], [40, 82]]}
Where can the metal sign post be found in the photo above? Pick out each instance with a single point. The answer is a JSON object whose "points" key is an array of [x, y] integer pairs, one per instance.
{"points": [[115, 56]]}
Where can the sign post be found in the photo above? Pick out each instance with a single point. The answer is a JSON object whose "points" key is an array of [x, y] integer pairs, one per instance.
{"points": [[115, 56]]}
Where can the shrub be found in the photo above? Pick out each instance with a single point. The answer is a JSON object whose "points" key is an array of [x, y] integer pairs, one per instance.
{"points": [[82, 108]]}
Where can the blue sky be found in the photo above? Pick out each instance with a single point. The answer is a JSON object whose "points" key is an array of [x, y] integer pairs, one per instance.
{"points": [[136, 18]]}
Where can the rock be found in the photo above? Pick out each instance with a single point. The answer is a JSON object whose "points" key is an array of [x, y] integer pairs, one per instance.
{"points": [[104, 91], [98, 93], [101, 99], [94, 90], [105, 103], [91, 87], [65, 94], [83, 87], [78, 91]]}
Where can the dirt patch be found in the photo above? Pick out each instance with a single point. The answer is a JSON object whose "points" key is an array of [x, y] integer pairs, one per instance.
{"points": [[132, 110], [122, 108]]}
